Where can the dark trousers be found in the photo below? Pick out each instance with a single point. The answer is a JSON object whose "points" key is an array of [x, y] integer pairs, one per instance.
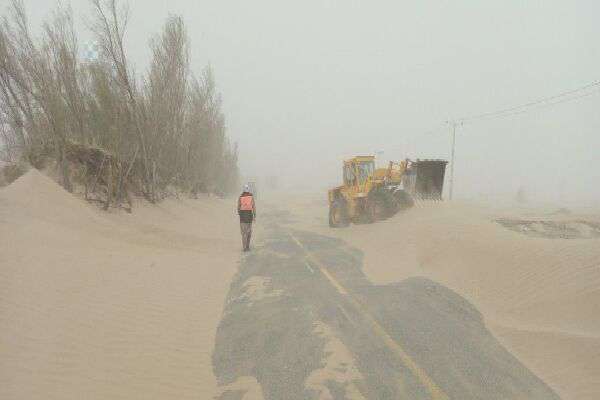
{"points": [[246, 229]]}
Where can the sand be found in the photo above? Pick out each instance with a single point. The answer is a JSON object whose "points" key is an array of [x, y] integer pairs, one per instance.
{"points": [[103, 305], [100, 305], [338, 366], [539, 296]]}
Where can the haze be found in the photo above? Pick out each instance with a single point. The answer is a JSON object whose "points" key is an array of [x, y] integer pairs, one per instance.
{"points": [[147, 253], [306, 84]]}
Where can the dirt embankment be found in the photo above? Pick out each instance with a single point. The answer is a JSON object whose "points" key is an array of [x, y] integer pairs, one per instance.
{"points": [[533, 273], [98, 305]]}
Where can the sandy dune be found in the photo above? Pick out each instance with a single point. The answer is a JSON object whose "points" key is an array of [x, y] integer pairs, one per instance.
{"points": [[540, 296], [106, 306]]}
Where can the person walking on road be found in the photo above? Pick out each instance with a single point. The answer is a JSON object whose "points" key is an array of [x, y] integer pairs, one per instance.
{"points": [[247, 212]]}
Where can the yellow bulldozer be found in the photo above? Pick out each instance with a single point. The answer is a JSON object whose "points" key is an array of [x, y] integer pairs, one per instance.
{"points": [[369, 194]]}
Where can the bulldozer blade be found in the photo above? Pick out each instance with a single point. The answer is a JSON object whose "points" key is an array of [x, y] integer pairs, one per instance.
{"points": [[424, 180]]}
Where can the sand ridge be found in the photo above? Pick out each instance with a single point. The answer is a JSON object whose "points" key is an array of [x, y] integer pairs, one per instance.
{"points": [[110, 304]]}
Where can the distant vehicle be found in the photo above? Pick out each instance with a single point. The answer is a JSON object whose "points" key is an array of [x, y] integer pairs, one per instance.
{"points": [[370, 194]]}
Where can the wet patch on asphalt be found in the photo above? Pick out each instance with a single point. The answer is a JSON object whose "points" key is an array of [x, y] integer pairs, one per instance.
{"points": [[278, 300]]}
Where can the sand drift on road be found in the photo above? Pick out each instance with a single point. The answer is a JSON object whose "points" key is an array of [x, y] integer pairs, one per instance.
{"points": [[537, 287], [302, 297]]}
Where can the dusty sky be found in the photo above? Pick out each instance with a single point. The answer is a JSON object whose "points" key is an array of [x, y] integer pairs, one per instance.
{"points": [[308, 83]]}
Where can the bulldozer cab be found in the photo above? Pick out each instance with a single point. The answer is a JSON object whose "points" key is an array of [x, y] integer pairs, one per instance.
{"points": [[358, 170]]}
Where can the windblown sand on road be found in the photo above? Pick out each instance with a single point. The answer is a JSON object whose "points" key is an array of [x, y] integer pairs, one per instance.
{"points": [[539, 296], [102, 305]]}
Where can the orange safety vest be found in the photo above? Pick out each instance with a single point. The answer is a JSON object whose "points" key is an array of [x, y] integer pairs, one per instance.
{"points": [[246, 203]]}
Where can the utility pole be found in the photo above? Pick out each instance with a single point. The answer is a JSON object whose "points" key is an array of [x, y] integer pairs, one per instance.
{"points": [[453, 130]]}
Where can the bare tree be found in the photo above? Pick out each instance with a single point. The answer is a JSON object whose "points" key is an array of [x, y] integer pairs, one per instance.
{"points": [[165, 129], [109, 27], [166, 93]]}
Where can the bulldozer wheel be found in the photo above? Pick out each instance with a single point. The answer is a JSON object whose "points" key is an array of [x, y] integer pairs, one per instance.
{"points": [[381, 205], [372, 211], [338, 215], [404, 199]]}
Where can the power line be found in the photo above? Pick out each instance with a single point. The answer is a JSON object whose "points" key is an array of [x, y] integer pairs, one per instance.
{"points": [[542, 101], [545, 105], [563, 97], [522, 108]]}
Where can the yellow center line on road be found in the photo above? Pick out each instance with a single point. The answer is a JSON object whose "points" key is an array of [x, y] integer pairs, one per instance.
{"points": [[422, 376]]}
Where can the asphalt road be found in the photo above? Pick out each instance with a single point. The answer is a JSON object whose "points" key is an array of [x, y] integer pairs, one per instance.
{"points": [[415, 339]]}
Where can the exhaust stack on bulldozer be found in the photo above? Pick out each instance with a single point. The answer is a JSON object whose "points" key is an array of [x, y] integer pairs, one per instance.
{"points": [[369, 194]]}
